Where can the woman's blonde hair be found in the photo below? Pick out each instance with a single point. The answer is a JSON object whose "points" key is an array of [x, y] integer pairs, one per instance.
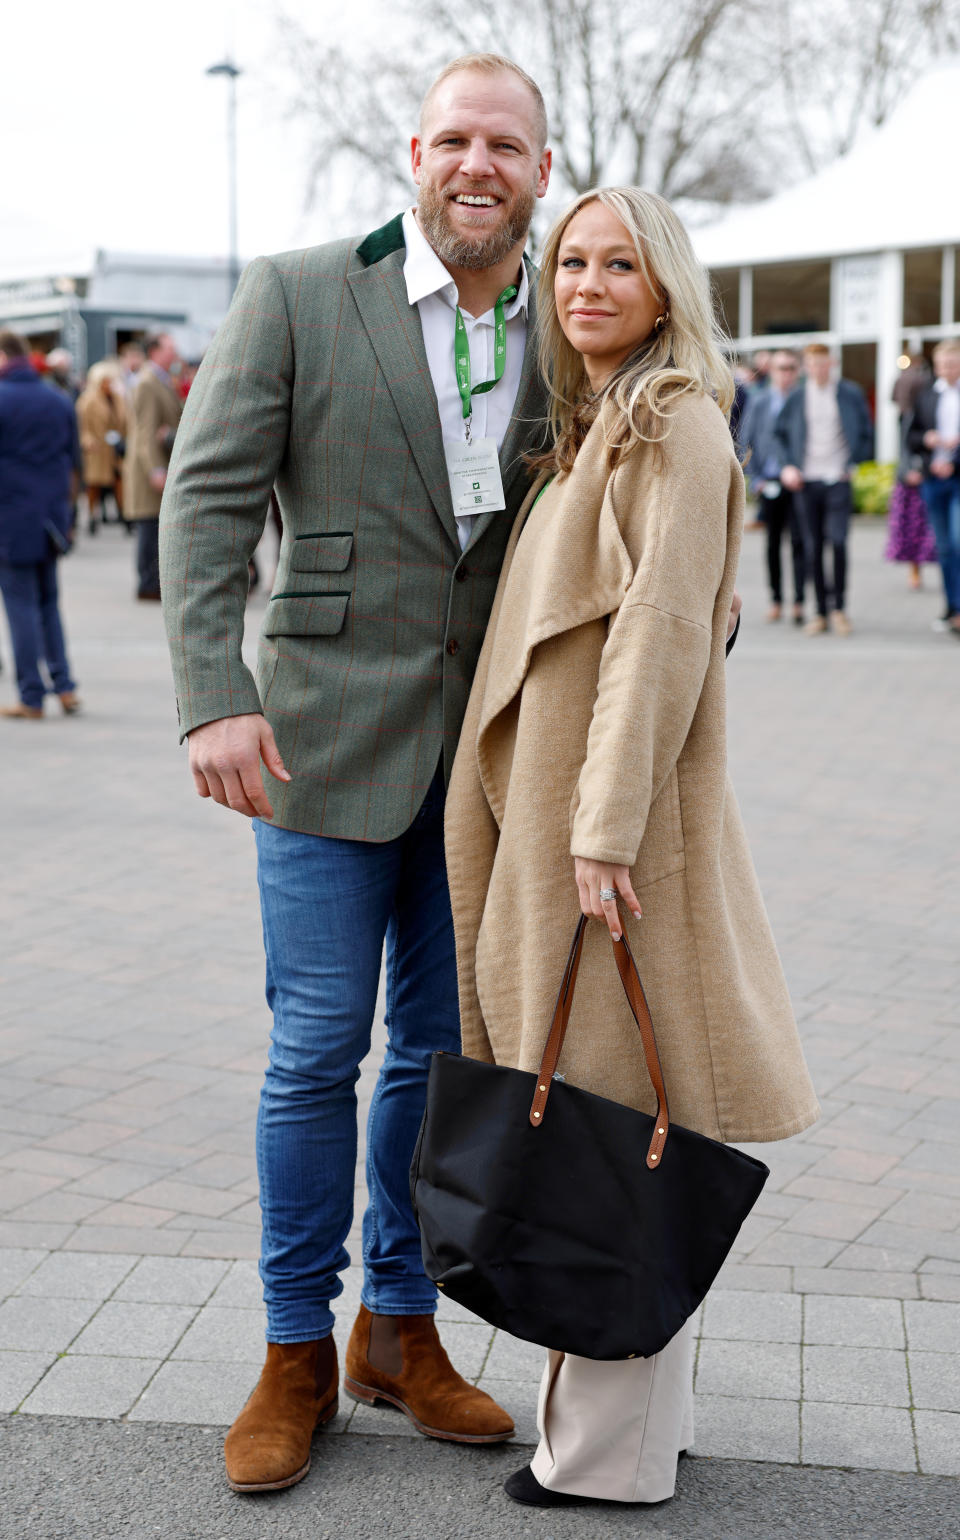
{"points": [[684, 357]]}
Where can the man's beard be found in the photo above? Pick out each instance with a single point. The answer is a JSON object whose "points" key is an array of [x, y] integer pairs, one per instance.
{"points": [[457, 250]]}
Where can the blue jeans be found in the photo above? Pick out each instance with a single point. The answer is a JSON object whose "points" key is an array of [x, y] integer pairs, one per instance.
{"points": [[327, 905], [943, 510], [33, 615]]}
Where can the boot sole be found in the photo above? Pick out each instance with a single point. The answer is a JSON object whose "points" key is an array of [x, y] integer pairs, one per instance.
{"points": [[370, 1397], [288, 1481]]}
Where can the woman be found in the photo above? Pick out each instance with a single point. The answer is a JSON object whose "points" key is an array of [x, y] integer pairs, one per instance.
{"points": [[102, 417], [592, 768]]}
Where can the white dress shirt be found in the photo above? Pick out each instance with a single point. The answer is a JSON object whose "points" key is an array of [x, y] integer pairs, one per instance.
{"points": [[433, 291], [828, 454]]}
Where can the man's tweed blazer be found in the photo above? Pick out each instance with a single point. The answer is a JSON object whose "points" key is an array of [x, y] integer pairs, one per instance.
{"points": [[317, 383]]}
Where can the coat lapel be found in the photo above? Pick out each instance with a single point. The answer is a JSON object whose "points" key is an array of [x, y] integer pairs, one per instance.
{"points": [[393, 327], [574, 570]]}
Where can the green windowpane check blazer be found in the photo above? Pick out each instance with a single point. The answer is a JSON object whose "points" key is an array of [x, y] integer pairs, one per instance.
{"points": [[317, 384]]}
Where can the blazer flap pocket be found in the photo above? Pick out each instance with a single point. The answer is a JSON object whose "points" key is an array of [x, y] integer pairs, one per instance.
{"points": [[305, 615], [322, 553]]}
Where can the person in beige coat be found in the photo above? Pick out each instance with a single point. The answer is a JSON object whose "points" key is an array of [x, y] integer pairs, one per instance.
{"points": [[101, 411], [591, 777], [154, 416]]}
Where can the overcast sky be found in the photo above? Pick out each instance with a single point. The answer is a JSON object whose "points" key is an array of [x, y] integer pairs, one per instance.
{"points": [[112, 135]]}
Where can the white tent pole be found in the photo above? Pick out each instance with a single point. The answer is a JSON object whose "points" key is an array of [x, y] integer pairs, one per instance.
{"points": [[889, 343]]}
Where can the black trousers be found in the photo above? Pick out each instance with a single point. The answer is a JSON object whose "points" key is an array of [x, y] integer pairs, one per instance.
{"points": [[780, 514], [824, 508], [148, 557]]}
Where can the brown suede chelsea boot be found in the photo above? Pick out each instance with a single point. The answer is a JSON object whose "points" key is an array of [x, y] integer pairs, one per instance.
{"points": [[269, 1444], [400, 1359]]}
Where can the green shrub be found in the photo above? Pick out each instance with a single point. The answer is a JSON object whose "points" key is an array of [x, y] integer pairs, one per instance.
{"points": [[873, 482]]}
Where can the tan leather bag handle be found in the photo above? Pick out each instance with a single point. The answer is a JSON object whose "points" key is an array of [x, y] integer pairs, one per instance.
{"points": [[637, 1001]]}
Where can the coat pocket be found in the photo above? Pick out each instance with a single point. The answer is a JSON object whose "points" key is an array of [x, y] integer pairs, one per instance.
{"points": [[661, 852], [305, 614], [322, 553]]}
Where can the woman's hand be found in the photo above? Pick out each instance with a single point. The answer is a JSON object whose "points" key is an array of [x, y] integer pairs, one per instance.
{"points": [[592, 876], [736, 605]]}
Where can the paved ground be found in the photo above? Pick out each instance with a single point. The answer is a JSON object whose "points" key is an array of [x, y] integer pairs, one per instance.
{"points": [[132, 1041]]}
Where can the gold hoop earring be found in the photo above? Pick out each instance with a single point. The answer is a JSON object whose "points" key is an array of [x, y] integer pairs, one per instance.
{"points": [[662, 322]]}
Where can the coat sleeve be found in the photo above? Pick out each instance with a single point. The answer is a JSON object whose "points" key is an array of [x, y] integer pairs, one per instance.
{"points": [[228, 449], [660, 641]]}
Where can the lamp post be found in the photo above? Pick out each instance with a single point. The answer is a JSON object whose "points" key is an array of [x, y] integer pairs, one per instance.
{"points": [[230, 70]]}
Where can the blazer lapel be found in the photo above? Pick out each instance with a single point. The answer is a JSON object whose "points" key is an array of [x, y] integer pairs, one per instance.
{"points": [[393, 327]]}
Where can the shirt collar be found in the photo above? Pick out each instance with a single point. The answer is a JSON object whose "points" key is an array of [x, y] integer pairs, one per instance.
{"points": [[425, 274], [942, 385]]}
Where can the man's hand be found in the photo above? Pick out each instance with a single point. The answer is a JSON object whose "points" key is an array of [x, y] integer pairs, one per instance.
{"points": [[158, 480], [225, 760], [941, 468], [791, 478], [736, 605]]}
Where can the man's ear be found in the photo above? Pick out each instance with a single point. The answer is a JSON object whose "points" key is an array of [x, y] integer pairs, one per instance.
{"points": [[416, 157], [543, 181]]}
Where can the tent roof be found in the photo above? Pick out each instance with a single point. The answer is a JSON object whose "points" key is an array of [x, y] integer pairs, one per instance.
{"points": [[895, 189]]}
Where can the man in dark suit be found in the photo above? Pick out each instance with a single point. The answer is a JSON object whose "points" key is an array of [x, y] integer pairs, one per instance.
{"points": [[822, 433], [776, 509], [387, 388], [934, 433], [38, 431]]}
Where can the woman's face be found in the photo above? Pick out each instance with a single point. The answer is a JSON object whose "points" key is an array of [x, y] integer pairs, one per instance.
{"points": [[605, 305]]}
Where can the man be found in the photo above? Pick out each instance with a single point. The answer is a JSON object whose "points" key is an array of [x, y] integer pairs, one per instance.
{"points": [[934, 434], [776, 509], [822, 434], [388, 388], [153, 416], [37, 435]]}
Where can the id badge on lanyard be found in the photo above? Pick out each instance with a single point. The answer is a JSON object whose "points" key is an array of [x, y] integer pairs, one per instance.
{"points": [[473, 465]]}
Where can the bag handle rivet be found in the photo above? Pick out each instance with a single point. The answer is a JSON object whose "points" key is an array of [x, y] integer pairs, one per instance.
{"points": [[536, 1114]]}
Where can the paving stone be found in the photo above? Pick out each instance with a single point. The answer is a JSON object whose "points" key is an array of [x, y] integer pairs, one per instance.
{"points": [[743, 1428], [16, 1265], [124, 1330], [938, 1442], [173, 1281], [78, 1275], [114, 1180], [787, 1249], [943, 1286], [19, 1372], [228, 1243], [746, 1316], [208, 1394], [853, 1322], [865, 1375], [43, 1325], [225, 1336], [742, 1369], [866, 1437], [935, 1381], [120, 1238], [90, 1387], [932, 1326], [512, 1359], [857, 1281]]}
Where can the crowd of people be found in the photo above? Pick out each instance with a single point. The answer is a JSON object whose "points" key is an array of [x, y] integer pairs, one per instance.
{"points": [[802, 436]]}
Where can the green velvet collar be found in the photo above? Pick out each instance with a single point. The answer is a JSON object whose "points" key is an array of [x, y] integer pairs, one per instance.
{"points": [[380, 243]]}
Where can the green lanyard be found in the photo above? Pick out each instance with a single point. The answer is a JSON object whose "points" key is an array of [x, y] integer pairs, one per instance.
{"points": [[461, 353]]}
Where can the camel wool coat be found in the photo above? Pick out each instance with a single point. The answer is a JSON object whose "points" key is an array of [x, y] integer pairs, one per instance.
{"points": [[596, 727]]}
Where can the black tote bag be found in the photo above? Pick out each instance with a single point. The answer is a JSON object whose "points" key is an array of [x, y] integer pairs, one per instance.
{"points": [[567, 1219]]}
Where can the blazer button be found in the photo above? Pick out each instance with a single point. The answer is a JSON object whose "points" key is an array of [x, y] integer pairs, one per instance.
{"points": [[453, 647], [461, 574]]}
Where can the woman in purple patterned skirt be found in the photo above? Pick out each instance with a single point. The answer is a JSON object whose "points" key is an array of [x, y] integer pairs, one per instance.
{"points": [[909, 536]]}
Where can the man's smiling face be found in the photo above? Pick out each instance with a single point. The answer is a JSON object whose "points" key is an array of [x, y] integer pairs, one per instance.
{"points": [[480, 166]]}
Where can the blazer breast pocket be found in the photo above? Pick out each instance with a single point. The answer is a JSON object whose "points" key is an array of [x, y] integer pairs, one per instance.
{"points": [[322, 553], [305, 614]]}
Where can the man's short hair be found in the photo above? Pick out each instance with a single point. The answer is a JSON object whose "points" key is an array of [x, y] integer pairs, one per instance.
{"points": [[492, 64], [948, 345], [817, 349], [12, 343], [784, 353], [152, 341]]}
